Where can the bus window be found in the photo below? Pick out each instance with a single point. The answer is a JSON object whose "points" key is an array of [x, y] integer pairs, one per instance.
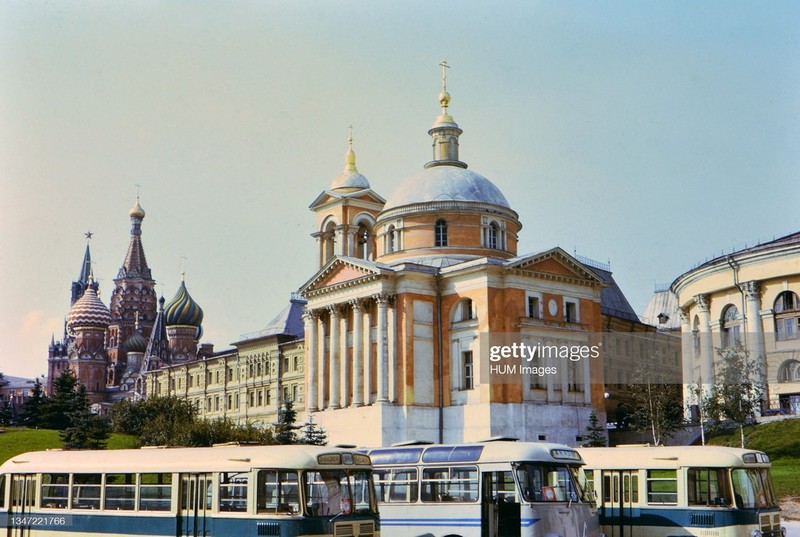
{"points": [[120, 492], [2, 491], [55, 491], [708, 486], [752, 488], [396, 485], [278, 492], [328, 493], [606, 488], [662, 486], [549, 483], [86, 491], [450, 484], [155, 492], [232, 491]]}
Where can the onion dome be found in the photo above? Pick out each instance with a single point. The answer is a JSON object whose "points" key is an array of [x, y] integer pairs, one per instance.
{"points": [[136, 211], [88, 311], [135, 343], [350, 178], [183, 310]]}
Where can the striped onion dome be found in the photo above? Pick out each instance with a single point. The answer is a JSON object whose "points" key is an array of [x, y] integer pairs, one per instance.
{"points": [[183, 310], [88, 311]]}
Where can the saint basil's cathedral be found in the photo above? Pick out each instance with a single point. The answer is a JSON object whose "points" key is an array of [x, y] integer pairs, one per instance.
{"points": [[110, 348]]}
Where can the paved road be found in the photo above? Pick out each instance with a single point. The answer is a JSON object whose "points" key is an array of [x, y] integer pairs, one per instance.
{"points": [[793, 528]]}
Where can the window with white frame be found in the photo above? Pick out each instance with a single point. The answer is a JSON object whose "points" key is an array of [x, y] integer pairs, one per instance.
{"points": [[730, 326], [534, 306], [467, 371], [571, 310], [787, 315], [440, 233]]}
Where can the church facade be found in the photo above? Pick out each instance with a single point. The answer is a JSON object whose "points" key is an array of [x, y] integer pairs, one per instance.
{"points": [[409, 289]]}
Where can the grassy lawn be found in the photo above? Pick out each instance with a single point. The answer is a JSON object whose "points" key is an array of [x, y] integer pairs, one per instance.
{"points": [[781, 441], [15, 441]]}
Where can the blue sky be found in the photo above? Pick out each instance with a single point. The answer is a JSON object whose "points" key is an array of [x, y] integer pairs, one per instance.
{"points": [[650, 134]]}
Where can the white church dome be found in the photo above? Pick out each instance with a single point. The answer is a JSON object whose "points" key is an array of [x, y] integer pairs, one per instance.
{"points": [[446, 183]]}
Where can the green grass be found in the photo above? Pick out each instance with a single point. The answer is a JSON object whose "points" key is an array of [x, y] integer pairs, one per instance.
{"points": [[781, 441], [14, 441]]}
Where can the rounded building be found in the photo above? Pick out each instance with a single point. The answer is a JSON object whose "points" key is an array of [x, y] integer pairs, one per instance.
{"points": [[749, 297]]}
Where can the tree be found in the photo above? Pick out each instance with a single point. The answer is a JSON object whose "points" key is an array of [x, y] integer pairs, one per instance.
{"points": [[87, 431], [32, 407], [69, 396], [157, 421], [285, 430], [597, 433], [656, 400], [6, 413], [313, 434], [737, 388]]}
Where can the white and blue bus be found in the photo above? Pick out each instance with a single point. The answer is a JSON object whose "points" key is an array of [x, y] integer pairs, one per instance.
{"points": [[685, 490], [240, 491], [485, 489]]}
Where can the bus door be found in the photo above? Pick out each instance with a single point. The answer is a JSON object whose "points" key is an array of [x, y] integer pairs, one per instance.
{"points": [[195, 508], [620, 502], [23, 499], [500, 514]]}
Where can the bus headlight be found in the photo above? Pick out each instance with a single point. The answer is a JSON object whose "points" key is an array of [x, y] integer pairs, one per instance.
{"points": [[756, 533], [783, 531]]}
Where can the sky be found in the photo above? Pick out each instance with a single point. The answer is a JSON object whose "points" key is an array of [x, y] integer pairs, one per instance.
{"points": [[651, 135]]}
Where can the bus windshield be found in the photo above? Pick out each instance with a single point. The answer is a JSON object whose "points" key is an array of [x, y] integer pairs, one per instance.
{"points": [[752, 488], [339, 492], [551, 483]]}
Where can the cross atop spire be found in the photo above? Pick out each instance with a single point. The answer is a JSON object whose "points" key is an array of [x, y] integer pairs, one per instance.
{"points": [[444, 67]]}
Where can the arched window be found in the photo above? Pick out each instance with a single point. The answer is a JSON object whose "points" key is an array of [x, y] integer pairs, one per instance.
{"points": [[391, 240], [363, 242], [789, 371], [787, 315], [440, 233], [328, 235], [492, 237], [730, 326], [465, 311]]}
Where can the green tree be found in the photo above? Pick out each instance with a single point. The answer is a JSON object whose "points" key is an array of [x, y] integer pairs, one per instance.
{"points": [[597, 433], [87, 431], [69, 396], [656, 400], [285, 430], [32, 407], [737, 389], [313, 434], [157, 421], [6, 413], [210, 432]]}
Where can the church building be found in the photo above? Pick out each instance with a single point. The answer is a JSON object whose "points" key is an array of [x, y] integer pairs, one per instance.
{"points": [[410, 287]]}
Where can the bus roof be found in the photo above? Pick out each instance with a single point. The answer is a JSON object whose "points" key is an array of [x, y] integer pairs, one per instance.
{"points": [[668, 457], [168, 460], [484, 452]]}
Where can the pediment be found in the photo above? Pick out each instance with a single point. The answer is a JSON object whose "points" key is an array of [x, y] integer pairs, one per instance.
{"points": [[343, 271], [557, 263], [363, 196]]}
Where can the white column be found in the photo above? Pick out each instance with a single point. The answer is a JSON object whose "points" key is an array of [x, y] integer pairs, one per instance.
{"points": [[391, 344], [321, 379], [755, 334], [310, 319], [687, 361], [706, 344], [344, 378], [350, 232], [358, 353], [334, 357], [367, 354], [383, 351]]}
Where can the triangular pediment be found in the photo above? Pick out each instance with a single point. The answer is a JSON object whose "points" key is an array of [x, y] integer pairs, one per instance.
{"points": [[362, 196], [557, 263], [342, 271]]}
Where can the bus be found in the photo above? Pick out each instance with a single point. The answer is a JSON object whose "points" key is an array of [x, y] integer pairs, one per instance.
{"points": [[239, 491], [683, 490], [483, 489]]}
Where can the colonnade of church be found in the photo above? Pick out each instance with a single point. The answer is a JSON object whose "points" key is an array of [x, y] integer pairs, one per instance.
{"points": [[350, 353]]}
